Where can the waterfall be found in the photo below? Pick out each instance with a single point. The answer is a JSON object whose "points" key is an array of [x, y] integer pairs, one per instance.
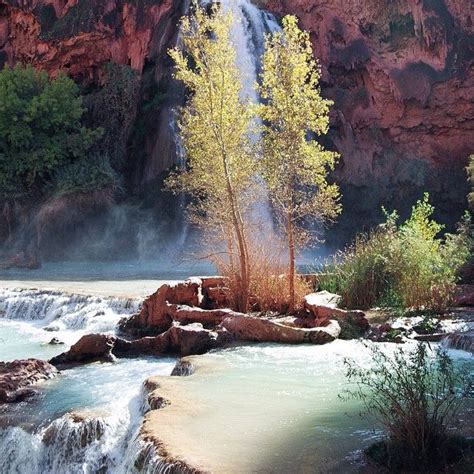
{"points": [[78, 442], [248, 34], [75, 441], [61, 311]]}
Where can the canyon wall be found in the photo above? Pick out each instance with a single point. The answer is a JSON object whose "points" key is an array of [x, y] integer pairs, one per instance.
{"points": [[400, 73]]}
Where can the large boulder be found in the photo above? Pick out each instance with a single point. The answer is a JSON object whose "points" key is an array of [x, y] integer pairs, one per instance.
{"points": [[323, 306], [154, 316], [148, 345], [16, 378], [194, 339], [249, 328], [208, 317], [89, 348]]}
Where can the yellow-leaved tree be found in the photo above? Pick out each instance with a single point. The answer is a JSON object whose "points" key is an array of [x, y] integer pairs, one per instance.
{"points": [[215, 126], [294, 165]]}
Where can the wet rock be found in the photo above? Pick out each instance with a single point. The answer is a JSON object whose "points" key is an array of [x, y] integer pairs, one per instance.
{"points": [[249, 328], [51, 328], [148, 345], [154, 316], [183, 368], [194, 339], [89, 348], [16, 378], [55, 342], [208, 317], [72, 431]]}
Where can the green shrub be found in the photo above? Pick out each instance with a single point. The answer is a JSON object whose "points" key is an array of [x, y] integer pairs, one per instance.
{"points": [[415, 395], [401, 266], [86, 175], [114, 107], [40, 128]]}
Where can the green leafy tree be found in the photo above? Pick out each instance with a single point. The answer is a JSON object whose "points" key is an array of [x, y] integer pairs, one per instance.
{"points": [[294, 165], [40, 127], [215, 128]]}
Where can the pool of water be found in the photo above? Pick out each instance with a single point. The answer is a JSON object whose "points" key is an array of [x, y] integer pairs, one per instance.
{"points": [[272, 408]]}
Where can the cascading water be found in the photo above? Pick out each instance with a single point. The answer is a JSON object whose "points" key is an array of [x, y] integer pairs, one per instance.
{"points": [[87, 419], [84, 419]]}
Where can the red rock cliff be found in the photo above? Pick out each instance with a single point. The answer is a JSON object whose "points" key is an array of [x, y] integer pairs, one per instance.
{"points": [[401, 75]]}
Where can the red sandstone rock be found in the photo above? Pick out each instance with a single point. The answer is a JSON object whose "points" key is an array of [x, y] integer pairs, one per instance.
{"points": [[192, 339], [188, 292], [156, 314], [248, 328], [187, 314], [89, 348], [401, 77], [16, 377], [217, 297]]}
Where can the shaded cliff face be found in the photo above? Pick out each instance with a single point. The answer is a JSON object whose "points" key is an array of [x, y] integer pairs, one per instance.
{"points": [[80, 38], [402, 78]]}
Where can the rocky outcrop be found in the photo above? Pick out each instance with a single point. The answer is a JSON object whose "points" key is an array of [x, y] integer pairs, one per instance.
{"points": [[400, 75], [248, 328], [89, 348], [176, 302], [17, 377], [323, 306]]}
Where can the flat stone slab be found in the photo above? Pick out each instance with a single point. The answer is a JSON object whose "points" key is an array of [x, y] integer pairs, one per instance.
{"points": [[249, 328]]}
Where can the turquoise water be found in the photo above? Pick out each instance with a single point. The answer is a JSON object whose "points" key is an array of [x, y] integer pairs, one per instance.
{"points": [[39, 435], [275, 408]]}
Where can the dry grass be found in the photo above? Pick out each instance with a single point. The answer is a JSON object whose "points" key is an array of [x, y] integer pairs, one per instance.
{"points": [[269, 286]]}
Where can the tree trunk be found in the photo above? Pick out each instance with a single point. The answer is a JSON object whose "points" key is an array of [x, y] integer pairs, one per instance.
{"points": [[243, 297], [292, 273]]}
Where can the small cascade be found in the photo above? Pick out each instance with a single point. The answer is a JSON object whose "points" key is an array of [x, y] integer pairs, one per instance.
{"points": [[463, 341], [62, 311]]}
